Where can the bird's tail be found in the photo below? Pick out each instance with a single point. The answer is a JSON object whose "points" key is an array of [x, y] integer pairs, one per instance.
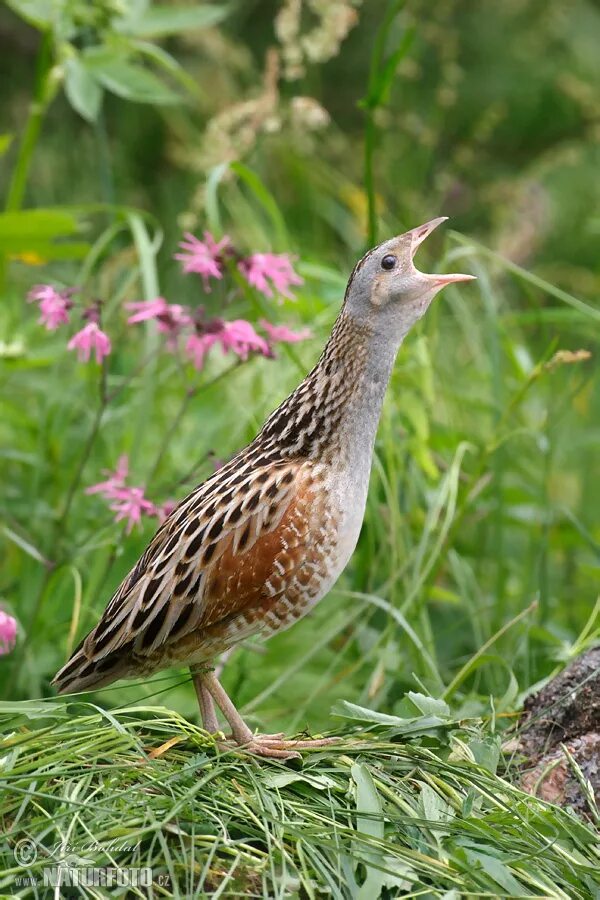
{"points": [[86, 671]]}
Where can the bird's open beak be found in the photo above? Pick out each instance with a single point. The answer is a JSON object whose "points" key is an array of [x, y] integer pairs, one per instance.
{"points": [[418, 235]]}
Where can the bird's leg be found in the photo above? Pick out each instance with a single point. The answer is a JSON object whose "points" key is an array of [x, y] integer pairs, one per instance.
{"points": [[205, 701], [211, 684], [272, 745]]}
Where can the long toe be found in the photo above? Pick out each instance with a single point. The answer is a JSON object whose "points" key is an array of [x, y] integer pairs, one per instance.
{"points": [[278, 742], [275, 749], [313, 743], [275, 746], [272, 752], [268, 738]]}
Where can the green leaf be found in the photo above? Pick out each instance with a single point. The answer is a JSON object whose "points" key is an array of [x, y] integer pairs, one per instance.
{"points": [[282, 779], [33, 709], [385, 76], [486, 753], [347, 710], [367, 803], [125, 79], [414, 703], [469, 803], [82, 89], [160, 21], [266, 200], [41, 232], [508, 700], [496, 870], [167, 62], [38, 13], [147, 246], [45, 250], [369, 822], [22, 542], [433, 807], [36, 224], [401, 725]]}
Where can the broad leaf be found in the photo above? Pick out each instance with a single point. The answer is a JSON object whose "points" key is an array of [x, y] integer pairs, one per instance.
{"points": [[38, 252], [369, 818], [415, 726], [348, 710], [40, 233], [486, 753], [370, 822], [125, 79], [160, 21], [433, 807], [496, 870], [414, 704], [82, 89], [282, 779], [37, 224], [167, 62]]}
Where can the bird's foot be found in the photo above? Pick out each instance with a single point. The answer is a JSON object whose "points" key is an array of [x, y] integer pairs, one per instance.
{"points": [[276, 746], [210, 692]]}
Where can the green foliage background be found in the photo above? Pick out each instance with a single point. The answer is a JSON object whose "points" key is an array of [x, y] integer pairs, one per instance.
{"points": [[485, 487]]}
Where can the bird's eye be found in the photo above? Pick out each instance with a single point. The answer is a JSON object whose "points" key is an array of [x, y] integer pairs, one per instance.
{"points": [[388, 262]]}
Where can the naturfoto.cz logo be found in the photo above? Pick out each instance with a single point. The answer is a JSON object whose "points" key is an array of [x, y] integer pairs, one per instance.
{"points": [[108, 876], [101, 876], [68, 873]]}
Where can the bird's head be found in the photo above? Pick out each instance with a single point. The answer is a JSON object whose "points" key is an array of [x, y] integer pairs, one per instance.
{"points": [[387, 291]]}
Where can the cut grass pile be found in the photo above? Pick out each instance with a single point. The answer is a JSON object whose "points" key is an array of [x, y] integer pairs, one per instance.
{"points": [[406, 805]]}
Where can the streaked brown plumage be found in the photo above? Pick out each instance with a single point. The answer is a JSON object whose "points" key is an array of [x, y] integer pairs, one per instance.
{"points": [[254, 547]]}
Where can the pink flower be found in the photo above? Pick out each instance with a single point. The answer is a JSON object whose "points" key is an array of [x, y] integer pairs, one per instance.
{"points": [[171, 317], [131, 504], [197, 346], [240, 337], [115, 481], [237, 336], [203, 257], [90, 338], [127, 502], [147, 309], [284, 335], [54, 305], [276, 268], [8, 632]]}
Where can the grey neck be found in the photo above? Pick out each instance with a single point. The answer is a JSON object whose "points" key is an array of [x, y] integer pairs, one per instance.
{"points": [[360, 418], [335, 411]]}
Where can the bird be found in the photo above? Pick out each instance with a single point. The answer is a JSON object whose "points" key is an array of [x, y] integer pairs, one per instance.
{"points": [[254, 547]]}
